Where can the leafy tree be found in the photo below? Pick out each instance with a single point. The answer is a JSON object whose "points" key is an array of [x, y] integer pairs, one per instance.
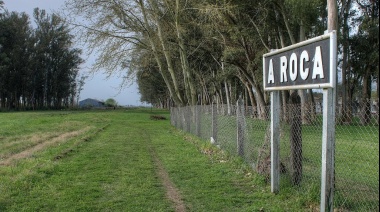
{"points": [[152, 88], [365, 54], [111, 102], [15, 57], [38, 67], [57, 62]]}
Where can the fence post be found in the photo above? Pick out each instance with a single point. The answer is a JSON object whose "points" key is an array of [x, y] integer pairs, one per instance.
{"points": [[179, 118], [275, 142], [183, 119], [197, 120], [240, 126], [188, 119], [214, 127]]}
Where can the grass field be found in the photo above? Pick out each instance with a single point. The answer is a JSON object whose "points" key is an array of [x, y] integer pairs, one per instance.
{"points": [[122, 161]]}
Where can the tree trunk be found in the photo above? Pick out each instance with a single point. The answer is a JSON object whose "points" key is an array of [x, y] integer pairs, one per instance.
{"points": [[346, 4], [285, 18], [252, 99], [227, 92], [332, 22], [227, 98], [253, 103], [313, 114], [249, 74], [305, 104], [365, 110], [285, 97], [166, 52], [296, 138], [187, 72], [173, 90]]}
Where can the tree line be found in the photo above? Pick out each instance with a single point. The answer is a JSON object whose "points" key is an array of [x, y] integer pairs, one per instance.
{"points": [[204, 51], [38, 65]]}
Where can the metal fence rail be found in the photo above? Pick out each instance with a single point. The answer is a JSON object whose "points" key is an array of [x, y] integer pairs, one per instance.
{"points": [[245, 132]]}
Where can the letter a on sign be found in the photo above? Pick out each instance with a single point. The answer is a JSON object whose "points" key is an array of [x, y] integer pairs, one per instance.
{"points": [[318, 65], [270, 73]]}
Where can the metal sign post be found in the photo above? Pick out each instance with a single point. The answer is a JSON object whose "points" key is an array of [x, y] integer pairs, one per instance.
{"points": [[305, 65], [328, 145], [275, 142], [328, 138]]}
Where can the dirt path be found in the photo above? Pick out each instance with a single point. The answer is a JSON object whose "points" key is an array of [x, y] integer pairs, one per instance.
{"points": [[172, 192], [28, 152]]}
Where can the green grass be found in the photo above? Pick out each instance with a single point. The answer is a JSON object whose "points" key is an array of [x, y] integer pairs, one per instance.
{"points": [[356, 159], [109, 166]]}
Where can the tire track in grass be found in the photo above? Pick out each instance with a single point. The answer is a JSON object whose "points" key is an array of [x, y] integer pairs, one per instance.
{"points": [[172, 192], [65, 153], [30, 151]]}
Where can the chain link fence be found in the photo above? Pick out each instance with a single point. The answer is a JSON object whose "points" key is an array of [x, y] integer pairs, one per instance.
{"points": [[245, 131]]}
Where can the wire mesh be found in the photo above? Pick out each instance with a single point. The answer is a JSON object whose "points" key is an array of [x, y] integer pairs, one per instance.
{"points": [[245, 131]]}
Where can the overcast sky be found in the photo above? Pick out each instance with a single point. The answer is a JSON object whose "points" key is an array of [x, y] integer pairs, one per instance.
{"points": [[97, 86]]}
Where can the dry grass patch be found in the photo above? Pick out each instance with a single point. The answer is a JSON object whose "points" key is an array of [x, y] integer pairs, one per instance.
{"points": [[32, 140], [42, 143]]}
